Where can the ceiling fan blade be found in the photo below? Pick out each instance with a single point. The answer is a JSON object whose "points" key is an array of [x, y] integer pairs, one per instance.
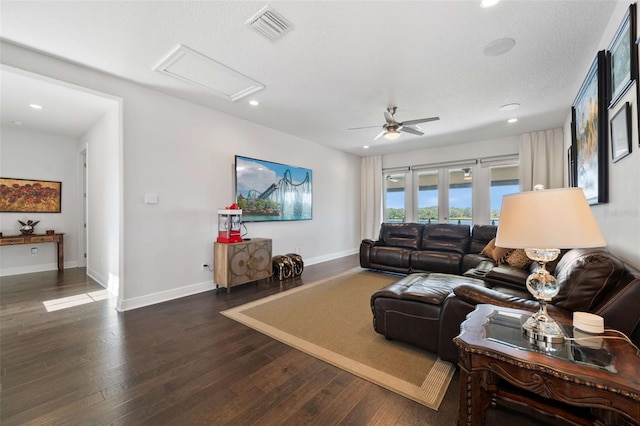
{"points": [[380, 135], [366, 127], [420, 120], [389, 117], [412, 131]]}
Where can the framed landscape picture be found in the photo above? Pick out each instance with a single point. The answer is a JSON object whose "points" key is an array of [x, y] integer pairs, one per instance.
{"points": [[271, 192], [30, 196], [589, 129], [623, 57]]}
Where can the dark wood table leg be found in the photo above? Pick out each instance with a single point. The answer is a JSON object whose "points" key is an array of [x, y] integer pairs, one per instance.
{"points": [[61, 254]]}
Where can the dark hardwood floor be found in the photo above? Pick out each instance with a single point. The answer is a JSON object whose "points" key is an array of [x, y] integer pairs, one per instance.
{"points": [[178, 362]]}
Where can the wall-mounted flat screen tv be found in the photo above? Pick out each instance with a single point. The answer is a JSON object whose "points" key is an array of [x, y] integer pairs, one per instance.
{"points": [[267, 191]]}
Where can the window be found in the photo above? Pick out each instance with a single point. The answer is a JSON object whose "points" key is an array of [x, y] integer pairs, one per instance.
{"points": [[428, 199], [394, 200], [465, 192], [504, 181], [460, 196]]}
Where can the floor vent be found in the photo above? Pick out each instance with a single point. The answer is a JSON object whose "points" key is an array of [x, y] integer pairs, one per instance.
{"points": [[269, 23]]}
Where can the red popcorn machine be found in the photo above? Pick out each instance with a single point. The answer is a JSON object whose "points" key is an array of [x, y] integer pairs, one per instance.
{"points": [[229, 223]]}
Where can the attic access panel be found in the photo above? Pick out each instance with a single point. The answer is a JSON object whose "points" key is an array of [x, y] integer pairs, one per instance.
{"points": [[192, 67]]}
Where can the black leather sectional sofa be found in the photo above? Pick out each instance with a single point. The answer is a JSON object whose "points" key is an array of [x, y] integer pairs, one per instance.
{"points": [[447, 276], [413, 247]]}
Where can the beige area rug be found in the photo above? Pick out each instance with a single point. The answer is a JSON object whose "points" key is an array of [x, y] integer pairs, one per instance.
{"points": [[331, 320]]}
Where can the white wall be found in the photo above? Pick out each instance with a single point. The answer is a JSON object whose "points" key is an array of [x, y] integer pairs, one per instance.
{"points": [[619, 219], [39, 156], [184, 153], [102, 144], [460, 152]]}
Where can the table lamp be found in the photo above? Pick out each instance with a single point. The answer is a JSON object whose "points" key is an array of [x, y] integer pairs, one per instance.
{"points": [[542, 222]]}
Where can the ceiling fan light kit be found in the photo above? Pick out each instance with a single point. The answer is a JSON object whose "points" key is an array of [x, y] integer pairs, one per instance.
{"points": [[392, 135]]}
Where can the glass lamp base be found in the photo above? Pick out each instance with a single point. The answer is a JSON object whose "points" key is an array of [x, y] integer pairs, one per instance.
{"points": [[543, 330]]}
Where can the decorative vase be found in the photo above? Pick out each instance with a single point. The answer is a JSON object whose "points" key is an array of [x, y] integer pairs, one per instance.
{"points": [[29, 227]]}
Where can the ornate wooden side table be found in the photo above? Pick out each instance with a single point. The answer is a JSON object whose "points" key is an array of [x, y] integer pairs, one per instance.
{"points": [[586, 381]]}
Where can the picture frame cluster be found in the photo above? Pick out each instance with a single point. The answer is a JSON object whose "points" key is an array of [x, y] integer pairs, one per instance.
{"points": [[599, 115]]}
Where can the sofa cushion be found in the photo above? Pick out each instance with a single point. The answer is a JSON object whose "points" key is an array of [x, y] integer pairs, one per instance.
{"points": [[409, 309], [436, 261], [585, 276], [471, 261], [391, 258], [406, 235], [480, 236], [488, 249], [518, 259], [500, 254], [446, 238]]}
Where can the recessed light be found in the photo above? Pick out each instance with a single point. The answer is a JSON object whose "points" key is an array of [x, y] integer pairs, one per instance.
{"points": [[18, 123], [365, 147], [489, 3], [499, 47], [35, 106], [509, 107], [512, 120], [253, 102]]}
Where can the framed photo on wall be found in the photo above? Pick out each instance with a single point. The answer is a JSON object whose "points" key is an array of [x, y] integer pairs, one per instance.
{"points": [[623, 57], [590, 133], [621, 133], [30, 196], [571, 165]]}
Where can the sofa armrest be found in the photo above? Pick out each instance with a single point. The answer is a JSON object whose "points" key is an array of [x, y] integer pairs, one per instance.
{"points": [[507, 276], [365, 248], [476, 295], [485, 266]]}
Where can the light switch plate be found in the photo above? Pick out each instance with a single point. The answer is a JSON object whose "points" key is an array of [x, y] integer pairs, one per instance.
{"points": [[151, 199]]}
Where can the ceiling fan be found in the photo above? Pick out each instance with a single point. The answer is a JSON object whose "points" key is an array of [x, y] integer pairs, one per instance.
{"points": [[392, 129]]}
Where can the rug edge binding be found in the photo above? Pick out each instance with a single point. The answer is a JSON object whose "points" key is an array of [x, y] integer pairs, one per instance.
{"points": [[441, 373]]}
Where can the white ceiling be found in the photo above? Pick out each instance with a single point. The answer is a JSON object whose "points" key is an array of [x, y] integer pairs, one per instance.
{"points": [[341, 65], [66, 111]]}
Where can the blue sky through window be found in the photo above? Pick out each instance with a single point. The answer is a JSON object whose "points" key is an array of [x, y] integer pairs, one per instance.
{"points": [[458, 197]]}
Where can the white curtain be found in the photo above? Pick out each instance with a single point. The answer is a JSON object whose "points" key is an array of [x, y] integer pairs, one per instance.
{"points": [[371, 196], [542, 159]]}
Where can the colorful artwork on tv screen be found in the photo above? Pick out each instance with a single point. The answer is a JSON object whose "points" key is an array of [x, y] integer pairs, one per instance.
{"points": [[267, 191]]}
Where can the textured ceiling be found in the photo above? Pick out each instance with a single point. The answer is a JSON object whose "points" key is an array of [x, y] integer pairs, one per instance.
{"points": [[343, 62]]}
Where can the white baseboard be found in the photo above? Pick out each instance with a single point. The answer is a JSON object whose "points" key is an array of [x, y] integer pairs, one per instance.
{"points": [[29, 269], [332, 256], [164, 296]]}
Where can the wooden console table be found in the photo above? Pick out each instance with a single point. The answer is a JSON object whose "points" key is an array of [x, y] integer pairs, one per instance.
{"points": [[602, 388], [240, 263], [37, 239]]}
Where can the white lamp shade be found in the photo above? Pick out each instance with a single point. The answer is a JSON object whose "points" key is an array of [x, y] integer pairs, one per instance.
{"points": [[548, 219]]}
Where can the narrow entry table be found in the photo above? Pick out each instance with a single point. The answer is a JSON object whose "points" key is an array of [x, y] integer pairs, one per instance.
{"points": [[10, 240]]}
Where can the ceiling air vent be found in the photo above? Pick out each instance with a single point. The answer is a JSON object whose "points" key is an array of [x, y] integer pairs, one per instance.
{"points": [[269, 23]]}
